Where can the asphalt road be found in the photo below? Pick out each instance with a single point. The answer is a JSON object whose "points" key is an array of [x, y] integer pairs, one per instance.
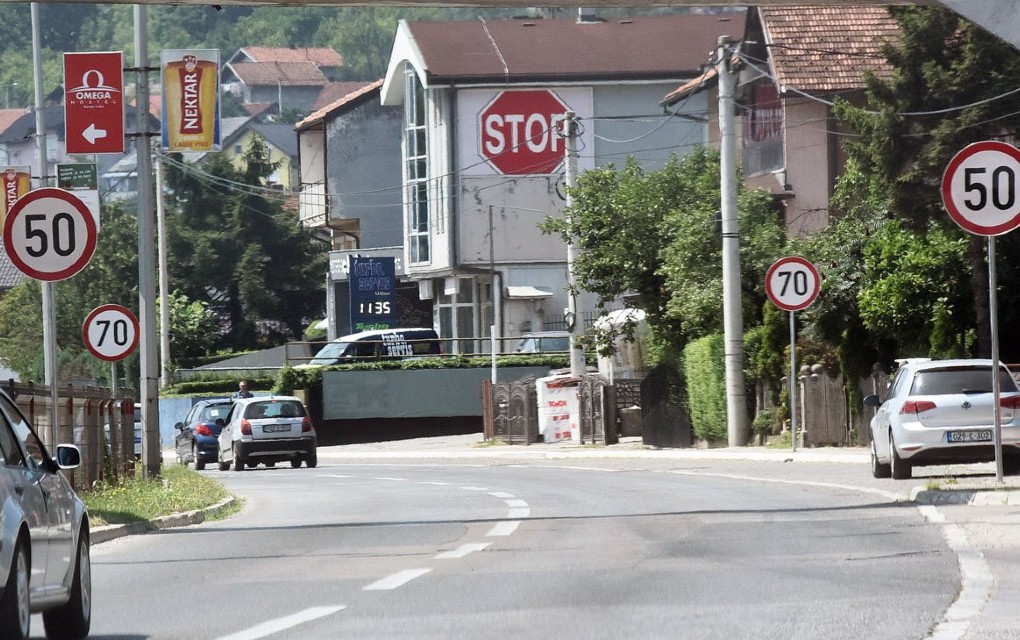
{"points": [[500, 549]]}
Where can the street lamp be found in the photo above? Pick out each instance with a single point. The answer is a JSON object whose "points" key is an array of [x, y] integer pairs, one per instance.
{"points": [[7, 95]]}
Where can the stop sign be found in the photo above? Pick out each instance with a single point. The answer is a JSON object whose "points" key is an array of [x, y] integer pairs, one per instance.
{"points": [[520, 132]]}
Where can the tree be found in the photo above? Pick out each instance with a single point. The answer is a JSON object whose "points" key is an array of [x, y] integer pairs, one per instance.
{"points": [[237, 248], [654, 236], [953, 84]]}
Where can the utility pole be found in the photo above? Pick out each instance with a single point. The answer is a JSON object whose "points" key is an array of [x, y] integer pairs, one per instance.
{"points": [[577, 364], [152, 456], [737, 428], [164, 306]]}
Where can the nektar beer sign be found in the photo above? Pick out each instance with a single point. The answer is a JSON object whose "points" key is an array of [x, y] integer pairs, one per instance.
{"points": [[191, 99]]}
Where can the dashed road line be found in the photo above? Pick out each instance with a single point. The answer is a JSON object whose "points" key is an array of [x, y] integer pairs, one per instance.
{"points": [[501, 494], [438, 484], [393, 479], [516, 503], [475, 488], [333, 475], [462, 550], [503, 528], [515, 514], [395, 580], [270, 627]]}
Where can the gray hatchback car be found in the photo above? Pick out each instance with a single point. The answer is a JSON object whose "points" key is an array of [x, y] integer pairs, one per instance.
{"points": [[44, 535], [267, 430]]}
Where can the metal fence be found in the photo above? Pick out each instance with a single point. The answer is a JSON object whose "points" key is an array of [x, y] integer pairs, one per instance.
{"points": [[101, 425]]}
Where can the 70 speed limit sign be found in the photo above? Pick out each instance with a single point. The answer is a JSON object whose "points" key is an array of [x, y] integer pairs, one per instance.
{"points": [[981, 188], [792, 283], [110, 332]]}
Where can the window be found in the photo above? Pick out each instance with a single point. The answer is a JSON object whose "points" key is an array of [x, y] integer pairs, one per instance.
{"points": [[416, 165], [23, 432], [458, 318]]}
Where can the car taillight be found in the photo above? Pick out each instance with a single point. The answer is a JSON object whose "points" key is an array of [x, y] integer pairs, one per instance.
{"points": [[306, 424], [1012, 402], [203, 430], [917, 406], [245, 428]]}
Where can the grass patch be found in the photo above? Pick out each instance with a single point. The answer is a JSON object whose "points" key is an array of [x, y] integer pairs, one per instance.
{"points": [[783, 441], [139, 499], [933, 485], [494, 442]]}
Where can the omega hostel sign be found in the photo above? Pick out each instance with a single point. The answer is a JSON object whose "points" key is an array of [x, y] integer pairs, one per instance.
{"points": [[191, 99], [94, 102]]}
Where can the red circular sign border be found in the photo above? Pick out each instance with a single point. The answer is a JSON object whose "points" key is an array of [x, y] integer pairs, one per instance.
{"points": [[91, 233], [95, 312], [947, 182], [802, 262]]}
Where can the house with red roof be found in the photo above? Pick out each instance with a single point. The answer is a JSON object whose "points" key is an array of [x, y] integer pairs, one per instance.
{"points": [[482, 147], [793, 62], [280, 79]]}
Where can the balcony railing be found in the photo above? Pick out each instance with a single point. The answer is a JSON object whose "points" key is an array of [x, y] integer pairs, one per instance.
{"points": [[313, 204]]}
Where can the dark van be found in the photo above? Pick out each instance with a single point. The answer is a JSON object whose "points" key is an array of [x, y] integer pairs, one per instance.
{"points": [[378, 345]]}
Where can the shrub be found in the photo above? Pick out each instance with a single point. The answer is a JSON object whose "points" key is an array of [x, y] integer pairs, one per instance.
{"points": [[705, 373]]}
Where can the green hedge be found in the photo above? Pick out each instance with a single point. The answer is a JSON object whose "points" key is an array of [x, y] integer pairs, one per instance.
{"points": [[218, 384], [705, 374]]}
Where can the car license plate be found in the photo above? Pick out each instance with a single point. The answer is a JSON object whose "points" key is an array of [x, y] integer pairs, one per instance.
{"points": [[969, 436], [275, 428]]}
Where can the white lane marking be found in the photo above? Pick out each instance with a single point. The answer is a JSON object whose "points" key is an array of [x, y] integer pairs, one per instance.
{"points": [[513, 514], [474, 488], [438, 484], [333, 475], [827, 485], [501, 494], [397, 579], [462, 550], [516, 503], [396, 479], [931, 514], [280, 624], [975, 591], [504, 528]]}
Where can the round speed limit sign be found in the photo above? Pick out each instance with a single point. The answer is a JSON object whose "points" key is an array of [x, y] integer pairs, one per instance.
{"points": [[792, 283], [110, 332], [981, 188], [50, 234]]}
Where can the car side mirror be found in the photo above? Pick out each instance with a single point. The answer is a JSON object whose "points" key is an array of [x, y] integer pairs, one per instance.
{"points": [[179, 426], [68, 456], [872, 401]]}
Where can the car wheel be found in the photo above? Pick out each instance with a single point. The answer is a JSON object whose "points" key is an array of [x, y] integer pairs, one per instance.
{"points": [[15, 615], [199, 464], [899, 468], [311, 460], [224, 465], [252, 464], [238, 461], [73, 619], [878, 469], [295, 462]]}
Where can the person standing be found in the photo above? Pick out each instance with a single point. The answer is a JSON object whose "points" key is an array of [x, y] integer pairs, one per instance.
{"points": [[242, 391]]}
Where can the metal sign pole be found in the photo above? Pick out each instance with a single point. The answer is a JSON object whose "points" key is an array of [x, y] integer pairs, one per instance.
{"points": [[993, 313], [793, 382]]}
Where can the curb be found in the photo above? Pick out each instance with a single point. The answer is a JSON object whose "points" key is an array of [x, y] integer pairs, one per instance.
{"points": [[109, 532], [970, 497]]}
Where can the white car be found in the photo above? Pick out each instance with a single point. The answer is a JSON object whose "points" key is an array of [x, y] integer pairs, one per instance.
{"points": [[941, 412], [267, 429], [44, 535]]}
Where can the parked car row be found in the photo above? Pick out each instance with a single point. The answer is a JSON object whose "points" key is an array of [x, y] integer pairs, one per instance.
{"points": [[245, 432]]}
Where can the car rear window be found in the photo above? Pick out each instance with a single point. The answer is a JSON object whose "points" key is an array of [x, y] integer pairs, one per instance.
{"points": [[953, 380], [274, 409], [214, 412]]}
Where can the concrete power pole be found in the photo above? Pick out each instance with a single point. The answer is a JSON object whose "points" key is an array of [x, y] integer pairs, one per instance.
{"points": [[737, 428], [577, 364]]}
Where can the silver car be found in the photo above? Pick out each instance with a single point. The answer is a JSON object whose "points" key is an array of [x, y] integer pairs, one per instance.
{"points": [[941, 412], [267, 430], [44, 535]]}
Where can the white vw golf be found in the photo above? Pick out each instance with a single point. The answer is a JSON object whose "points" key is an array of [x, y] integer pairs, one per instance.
{"points": [[941, 412]]}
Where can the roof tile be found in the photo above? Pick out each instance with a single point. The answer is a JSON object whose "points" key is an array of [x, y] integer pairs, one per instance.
{"points": [[287, 74], [321, 56]]}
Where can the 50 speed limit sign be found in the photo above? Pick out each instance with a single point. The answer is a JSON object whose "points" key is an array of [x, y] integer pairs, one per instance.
{"points": [[110, 332], [50, 234], [792, 283], [981, 188]]}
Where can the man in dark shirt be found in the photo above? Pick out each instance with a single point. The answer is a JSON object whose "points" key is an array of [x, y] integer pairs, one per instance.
{"points": [[242, 391]]}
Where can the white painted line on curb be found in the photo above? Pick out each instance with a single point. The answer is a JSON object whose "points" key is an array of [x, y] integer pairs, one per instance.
{"points": [[462, 550], [503, 528], [501, 494], [516, 503], [514, 514], [397, 579], [975, 591], [475, 488], [280, 624]]}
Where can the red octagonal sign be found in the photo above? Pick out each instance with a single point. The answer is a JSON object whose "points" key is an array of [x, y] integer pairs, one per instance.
{"points": [[520, 132]]}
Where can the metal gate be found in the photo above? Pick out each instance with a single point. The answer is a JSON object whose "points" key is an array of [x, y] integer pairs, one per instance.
{"points": [[664, 423]]}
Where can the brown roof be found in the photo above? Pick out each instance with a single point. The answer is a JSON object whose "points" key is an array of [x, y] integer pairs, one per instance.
{"points": [[321, 56], [317, 116], [256, 109], [335, 91], [649, 47], [288, 74], [823, 49], [694, 85]]}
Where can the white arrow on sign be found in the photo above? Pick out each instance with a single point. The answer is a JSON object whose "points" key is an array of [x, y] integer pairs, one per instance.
{"points": [[92, 133]]}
